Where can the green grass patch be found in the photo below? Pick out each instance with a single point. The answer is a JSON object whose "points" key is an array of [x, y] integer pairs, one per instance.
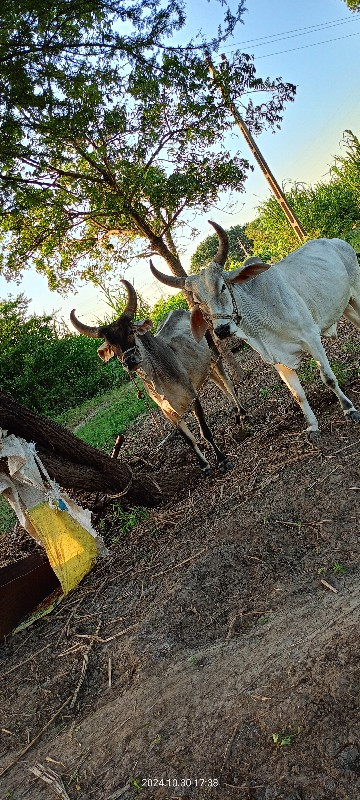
{"points": [[7, 517], [121, 521], [77, 415], [103, 428], [343, 372], [309, 372]]}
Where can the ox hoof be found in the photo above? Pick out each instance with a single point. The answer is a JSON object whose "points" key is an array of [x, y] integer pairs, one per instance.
{"points": [[242, 417], [206, 472], [354, 415], [314, 437], [225, 466]]}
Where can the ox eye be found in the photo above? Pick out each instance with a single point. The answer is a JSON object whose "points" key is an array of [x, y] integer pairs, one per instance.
{"points": [[223, 287]]}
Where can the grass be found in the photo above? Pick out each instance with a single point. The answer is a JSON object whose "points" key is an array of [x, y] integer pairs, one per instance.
{"points": [[266, 391], [102, 430], [7, 517], [122, 521], [78, 414], [99, 421], [309, 372]]}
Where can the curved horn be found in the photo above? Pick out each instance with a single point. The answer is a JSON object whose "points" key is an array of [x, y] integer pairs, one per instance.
{"points": [[169, 280], [87, 330], [223, 248], [131, 306]]}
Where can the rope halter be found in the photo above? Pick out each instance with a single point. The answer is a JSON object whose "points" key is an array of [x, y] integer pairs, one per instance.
{"points": [[235, 315]]}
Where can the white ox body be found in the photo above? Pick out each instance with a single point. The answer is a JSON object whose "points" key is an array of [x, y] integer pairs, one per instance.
{"points": [[282, 310]]}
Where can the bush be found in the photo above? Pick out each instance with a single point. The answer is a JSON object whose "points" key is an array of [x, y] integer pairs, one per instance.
{"points": [[46, 371], [329, 209]]}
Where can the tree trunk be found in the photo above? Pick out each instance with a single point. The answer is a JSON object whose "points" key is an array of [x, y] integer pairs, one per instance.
{"points": [[73, 463]]}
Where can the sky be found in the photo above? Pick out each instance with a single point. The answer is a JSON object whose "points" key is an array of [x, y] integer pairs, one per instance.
{"points": [[314, 44]]}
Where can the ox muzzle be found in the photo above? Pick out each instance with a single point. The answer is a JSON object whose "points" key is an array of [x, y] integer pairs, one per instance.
{"points": [[132, 358], [222, 331]]}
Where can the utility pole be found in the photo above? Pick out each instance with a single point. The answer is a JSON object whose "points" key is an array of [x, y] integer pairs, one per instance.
{"points": [[275, 188]]}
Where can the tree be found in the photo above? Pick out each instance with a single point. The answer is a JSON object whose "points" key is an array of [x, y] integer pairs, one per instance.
{"points": [[106, 138], [354, 5], [239, 247]]}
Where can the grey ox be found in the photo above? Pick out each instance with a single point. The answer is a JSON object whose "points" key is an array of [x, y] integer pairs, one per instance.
{"points": [[171, 364], [281, 310]]}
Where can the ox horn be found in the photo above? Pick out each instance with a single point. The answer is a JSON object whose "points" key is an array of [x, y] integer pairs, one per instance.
{"points": [[169, 280], [131, 305], [87, 330], [223, 248]]}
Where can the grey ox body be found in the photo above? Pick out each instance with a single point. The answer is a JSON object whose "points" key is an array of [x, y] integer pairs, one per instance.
{"points": [[281, 310], [172, 366]]}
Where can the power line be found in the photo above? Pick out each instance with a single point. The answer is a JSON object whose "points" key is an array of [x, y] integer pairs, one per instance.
{"points": [[305, 46], [263, 40], [274, 37]]}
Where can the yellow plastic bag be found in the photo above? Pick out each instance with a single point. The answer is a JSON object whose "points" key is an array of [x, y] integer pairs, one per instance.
{"points": [[71, 550]]}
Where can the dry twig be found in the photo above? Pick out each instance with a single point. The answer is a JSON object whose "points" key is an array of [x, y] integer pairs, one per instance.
{"points": [[95, 638], [228, 747], [51, 778], [171, 567], [109, 671], [84, 666], [328, 585]]}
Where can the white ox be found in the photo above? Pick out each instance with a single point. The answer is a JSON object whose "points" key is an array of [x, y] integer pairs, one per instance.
{"points": [[281, 310], [171, 365]]}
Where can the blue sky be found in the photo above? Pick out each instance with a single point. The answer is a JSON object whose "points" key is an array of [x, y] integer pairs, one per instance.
{"points": [[323, 62]]}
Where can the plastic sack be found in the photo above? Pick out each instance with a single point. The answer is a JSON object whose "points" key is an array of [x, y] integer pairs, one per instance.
{"points": [[71, 550]]}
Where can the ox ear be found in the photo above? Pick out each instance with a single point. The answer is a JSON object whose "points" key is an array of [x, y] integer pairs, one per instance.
{"points": [[142, 326], [105, 352], [248, 272], [198, 324]]}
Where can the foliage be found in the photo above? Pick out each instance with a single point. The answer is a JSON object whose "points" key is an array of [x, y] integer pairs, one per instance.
{"points": [[206, 250], [328, 209], [286, 738], [162, 308], [354, 5], [106, 132], [47, 372], [339, 569], [347, 167]]}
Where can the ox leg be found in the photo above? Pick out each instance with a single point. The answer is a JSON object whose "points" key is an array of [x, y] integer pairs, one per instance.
{"points": [[352, 312], [223, 462], [190, 439], [290, 378], [328, 377], [222, 380]]}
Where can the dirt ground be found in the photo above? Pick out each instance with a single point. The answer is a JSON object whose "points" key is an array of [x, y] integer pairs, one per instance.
{"points": [[219, 643]]}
